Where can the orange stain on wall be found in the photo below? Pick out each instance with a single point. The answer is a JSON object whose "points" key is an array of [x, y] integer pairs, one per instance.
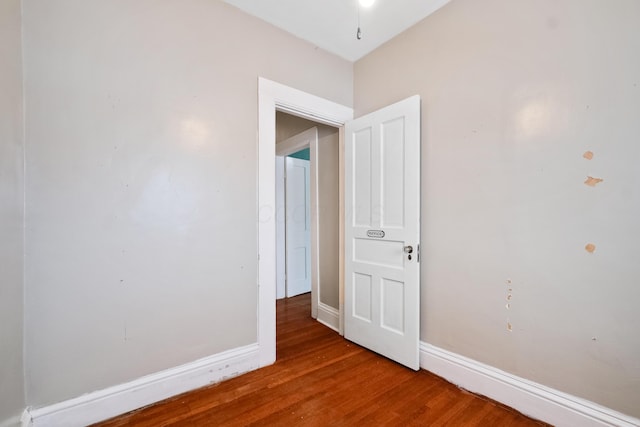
{"points": [[592, 182]]}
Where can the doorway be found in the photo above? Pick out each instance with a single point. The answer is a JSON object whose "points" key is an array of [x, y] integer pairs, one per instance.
{"points": [[385, 145], [319, 143], [274, 97]]}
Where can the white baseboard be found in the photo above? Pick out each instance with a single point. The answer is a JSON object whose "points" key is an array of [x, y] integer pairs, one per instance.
{"points": [[25, 420], [104, 404], [532, 399], [329, 316]]}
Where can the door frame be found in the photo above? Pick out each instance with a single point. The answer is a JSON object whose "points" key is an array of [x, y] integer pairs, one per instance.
{"points": [[274, 97]]}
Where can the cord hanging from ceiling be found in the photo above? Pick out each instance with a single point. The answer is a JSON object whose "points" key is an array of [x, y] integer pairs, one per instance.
{"points": [[359, 32], [361, 4]]}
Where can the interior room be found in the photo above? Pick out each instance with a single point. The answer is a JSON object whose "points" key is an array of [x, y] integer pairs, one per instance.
{"points": [[137, 193]]}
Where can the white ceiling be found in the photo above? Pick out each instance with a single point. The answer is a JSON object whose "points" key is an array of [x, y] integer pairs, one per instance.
{"points": [[332, 24]]}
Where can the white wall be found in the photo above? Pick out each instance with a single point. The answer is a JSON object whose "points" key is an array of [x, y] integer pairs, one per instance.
{"points": [[141, 129], [513, 94], [11, 214]]}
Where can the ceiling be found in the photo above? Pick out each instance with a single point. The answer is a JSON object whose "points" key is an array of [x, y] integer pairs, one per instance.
{"points": [[332, 24]]}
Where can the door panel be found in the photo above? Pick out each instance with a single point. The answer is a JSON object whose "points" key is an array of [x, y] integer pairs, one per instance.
{"points": [[362, 296], [392, 298], [377, 252], [362, 178], [392, 146], [382, 231]]}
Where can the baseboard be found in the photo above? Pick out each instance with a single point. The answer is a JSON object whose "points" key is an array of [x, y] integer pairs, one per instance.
{"points": [[329, 316], [532, 399], [25, 419], [104, 404]]}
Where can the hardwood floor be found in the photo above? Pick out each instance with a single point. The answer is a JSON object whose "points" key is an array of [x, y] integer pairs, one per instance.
{"points": [[320, 379]]}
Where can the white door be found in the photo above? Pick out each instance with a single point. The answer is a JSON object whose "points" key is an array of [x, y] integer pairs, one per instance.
{"points": [[382, 231], [298, 226]]}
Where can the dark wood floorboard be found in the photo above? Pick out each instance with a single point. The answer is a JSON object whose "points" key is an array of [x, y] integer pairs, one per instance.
{"points": [[320, 379]]}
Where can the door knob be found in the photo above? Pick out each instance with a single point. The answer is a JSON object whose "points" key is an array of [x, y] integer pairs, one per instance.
{"points": [[408, 249]]}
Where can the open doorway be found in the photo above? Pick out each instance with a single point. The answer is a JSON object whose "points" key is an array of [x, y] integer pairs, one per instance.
{"points": [[272, 97], [317, 144]]}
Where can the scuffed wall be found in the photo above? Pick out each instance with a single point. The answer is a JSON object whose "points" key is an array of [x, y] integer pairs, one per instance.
{"points": [[142, 182], [530, 189]]}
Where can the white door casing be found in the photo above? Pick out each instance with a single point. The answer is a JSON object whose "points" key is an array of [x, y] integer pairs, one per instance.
{"points": [[274, 96], [298, 226], [281, 256], [382, 231]]}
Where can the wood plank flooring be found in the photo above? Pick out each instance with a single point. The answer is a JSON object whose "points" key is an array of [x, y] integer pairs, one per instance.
{"points": [[320, 379]]}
